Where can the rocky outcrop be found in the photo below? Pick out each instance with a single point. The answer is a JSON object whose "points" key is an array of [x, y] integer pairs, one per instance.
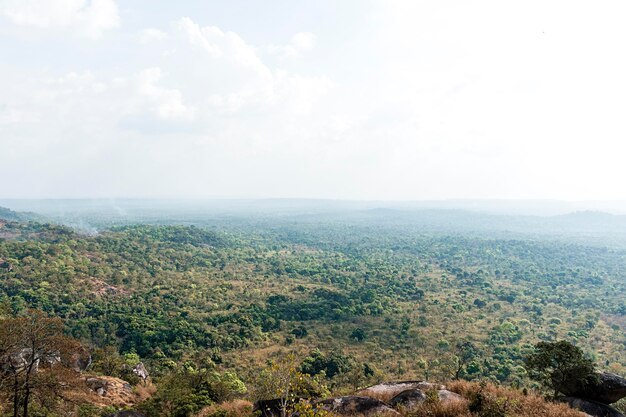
{"points": [[592, 408], [355, 405], [446, 396], [98, 385], [110, 387], [389, 390], [126, 413], [607, 388], [24, 358], [594, 396], [408, 399], [411, 398], [141, 371], [78, 360]]}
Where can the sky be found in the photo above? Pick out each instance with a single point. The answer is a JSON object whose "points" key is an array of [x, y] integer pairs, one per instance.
{"points": [[357, 99]]}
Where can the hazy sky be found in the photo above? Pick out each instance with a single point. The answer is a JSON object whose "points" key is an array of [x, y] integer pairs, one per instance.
{"points": [[326, 99]]}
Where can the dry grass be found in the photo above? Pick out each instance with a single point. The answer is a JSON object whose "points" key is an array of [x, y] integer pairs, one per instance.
{"points": [[234, 408], [439, 409], [118, 394], [485, 400], [383, 396], [144, 391], [506, 402]]}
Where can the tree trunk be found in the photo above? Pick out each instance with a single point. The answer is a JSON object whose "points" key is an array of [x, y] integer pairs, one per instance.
{"points": [[26, 398], [16, 397]]}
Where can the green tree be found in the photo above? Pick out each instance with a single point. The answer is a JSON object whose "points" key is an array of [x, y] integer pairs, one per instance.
{"points": [[557, 365], [333, 364], [283, 380], [358, 334], [465, 353], [187, 390]]}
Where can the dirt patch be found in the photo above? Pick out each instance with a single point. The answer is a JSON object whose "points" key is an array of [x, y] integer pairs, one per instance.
{"points": [[101, 288]]}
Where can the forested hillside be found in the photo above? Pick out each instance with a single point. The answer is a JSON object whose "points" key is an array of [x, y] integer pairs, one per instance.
{"points": [[402, 304]]}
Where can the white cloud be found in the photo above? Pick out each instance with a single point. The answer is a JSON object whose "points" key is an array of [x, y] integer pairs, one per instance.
{"points": [[88, 18], [226, 45], [151, 35], [12, 116], [167, 103], [417, 100], [303, 41], [211, 100], [300, 42]]}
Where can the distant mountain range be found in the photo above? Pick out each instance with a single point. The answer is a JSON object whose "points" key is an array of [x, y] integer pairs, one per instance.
{"points": [[15, 216], [480, 217]]}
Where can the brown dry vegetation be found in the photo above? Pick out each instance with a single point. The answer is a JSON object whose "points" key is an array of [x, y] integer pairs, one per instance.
{"points": [[234, 408], [118, 394], [500, 401], [494, 401]]}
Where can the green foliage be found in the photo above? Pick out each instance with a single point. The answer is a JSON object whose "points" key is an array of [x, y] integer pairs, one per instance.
{"points": [[557, 365], [330, 365], [169, 294], [282, 380], [187, 390], [358, 334], [89, 410], [306, 409]]}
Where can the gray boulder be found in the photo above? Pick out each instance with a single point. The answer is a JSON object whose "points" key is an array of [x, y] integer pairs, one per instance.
{"points": [[354, 405], [408, 399], [100, 386], [411, 398], [607, 389], [592, 408], [141, 371], [446, 396], [20, 360], [390, 389]]}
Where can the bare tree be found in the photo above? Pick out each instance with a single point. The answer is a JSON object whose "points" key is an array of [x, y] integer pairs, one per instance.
{"points": [[32, 349]]}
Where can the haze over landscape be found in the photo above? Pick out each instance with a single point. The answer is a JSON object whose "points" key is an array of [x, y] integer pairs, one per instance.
{"points": [[364, 208]]}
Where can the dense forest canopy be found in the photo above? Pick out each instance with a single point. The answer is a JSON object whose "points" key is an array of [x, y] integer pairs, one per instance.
{"points": [[353, 297], [356, 300]]}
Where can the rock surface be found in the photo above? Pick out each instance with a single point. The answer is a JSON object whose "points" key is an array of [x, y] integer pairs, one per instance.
{"points": [[23, 358], [592, 408], [141, 371], [411, 398], [608, 389], [98, 385], [114, 389], [389, 390], [408, 399], [78, 360], [356, 405], [446, 396]]}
